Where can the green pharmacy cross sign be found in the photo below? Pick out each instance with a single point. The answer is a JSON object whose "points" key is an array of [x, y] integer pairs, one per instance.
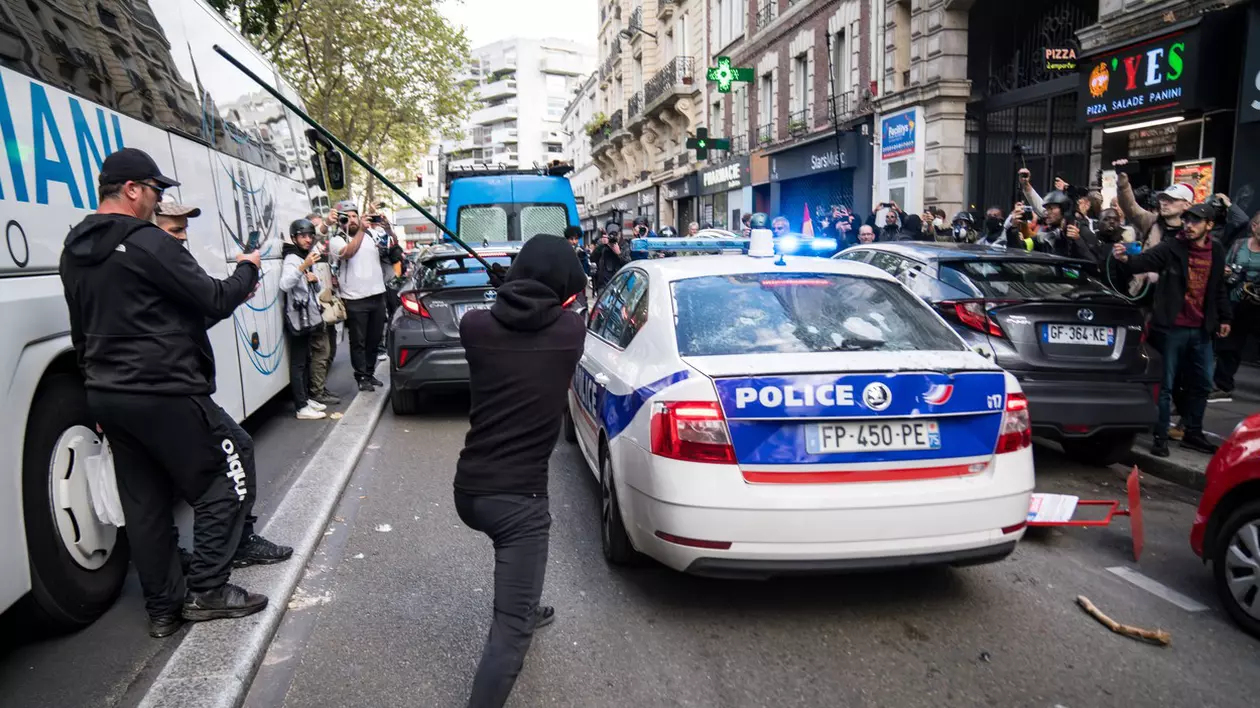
{"points": [[702, 144], [725, 74]]}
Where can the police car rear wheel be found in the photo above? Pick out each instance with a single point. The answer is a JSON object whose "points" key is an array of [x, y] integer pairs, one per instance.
{"points": [[570, 431], [404, 402], [1100, 449], [616, 542], [77, 564]]}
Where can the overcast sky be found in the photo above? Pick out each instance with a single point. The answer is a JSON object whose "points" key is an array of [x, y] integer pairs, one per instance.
{"points": [[491, 20]]}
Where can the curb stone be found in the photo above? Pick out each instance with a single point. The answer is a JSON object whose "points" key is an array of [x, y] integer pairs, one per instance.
{"points": [[215, 663]]}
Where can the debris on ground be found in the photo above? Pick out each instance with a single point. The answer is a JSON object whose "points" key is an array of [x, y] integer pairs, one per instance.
{"points": [[1154, 636]]}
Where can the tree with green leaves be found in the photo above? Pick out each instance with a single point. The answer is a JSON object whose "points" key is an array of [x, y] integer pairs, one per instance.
{"points": [[379, 74]]}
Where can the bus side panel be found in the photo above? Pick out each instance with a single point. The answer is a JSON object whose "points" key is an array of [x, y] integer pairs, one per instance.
{"points": [[255, 208], [205, 241], [37, 330]]}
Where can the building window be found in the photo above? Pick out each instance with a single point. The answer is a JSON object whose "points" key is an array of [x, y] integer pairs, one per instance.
{"points": [[556, 85], [765, 108], [728, 20], [839, 65], [739, 110], [901, 40], [800, 76], [715, 119]]}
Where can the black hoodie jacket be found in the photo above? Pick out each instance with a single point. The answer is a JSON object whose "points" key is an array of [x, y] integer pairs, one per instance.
{"points": [[1171, 259], [139, 307], [521, 354]]}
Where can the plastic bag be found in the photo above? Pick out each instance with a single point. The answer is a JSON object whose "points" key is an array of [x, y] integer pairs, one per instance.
{"points": [[103, 487]]}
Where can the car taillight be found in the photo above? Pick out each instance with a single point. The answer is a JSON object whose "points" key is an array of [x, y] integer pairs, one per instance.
{"points": [[972, 314], [412, 304], [1016, 425], [693, 431]]}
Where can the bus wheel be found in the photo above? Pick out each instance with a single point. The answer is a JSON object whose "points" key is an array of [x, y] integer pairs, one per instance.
{"points": [[77, 563]]}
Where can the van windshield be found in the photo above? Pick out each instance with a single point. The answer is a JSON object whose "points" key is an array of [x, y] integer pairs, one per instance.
{"points": [[510, 221]]}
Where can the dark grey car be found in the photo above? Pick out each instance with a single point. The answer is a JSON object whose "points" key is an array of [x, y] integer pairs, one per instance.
{"points": [[1077, 347], [424, 349]]}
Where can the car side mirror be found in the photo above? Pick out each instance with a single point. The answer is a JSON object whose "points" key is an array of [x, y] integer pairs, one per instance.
{"points": [[335, 170]]}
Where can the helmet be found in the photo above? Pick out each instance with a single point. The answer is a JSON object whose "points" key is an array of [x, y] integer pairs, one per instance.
{"points": [[612, 227], [1063, 201], [642, 221], [346, 205], [301, 226], [758, 221], [668, 232], [965, 217]]}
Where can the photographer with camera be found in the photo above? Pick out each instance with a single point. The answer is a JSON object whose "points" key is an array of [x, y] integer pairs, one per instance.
{"points": [[302, 318], [1063, 232], [362, 281], [1191, 304], [607, 256], [893, 217], [1242, 278]]}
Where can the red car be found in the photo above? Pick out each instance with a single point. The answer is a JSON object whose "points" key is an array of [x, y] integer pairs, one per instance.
{"points": [[1227, 527]]}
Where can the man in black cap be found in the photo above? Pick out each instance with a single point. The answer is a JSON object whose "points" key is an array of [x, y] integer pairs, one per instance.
{"points": [[522, 353], [139, 304], [1191, 306]]}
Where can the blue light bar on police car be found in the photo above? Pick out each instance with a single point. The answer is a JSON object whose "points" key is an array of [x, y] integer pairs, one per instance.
{"points": [[795, 244], [657, 245]]}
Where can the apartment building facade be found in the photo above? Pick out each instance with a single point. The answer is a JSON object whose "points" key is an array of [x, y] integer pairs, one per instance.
{"points": [[585, 177], [522, 87]]}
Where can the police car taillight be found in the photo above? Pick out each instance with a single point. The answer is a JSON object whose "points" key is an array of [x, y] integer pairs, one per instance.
{"points": [[692, 431], [1016, 425], [412, 304]]}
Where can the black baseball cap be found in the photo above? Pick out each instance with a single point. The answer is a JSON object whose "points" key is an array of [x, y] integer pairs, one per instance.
{"points": [[133, 165], [1203, 211]]}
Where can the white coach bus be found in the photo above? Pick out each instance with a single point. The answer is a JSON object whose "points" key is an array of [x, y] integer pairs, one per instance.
{"points": [[79, 80]]}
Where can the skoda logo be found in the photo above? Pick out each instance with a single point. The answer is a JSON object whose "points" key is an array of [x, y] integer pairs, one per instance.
{"points": [[1086, 314], [492, 294], [876, 396]]}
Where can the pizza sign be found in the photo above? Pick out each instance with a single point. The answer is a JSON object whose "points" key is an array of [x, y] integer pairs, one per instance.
{"points": [[1145, 78]]}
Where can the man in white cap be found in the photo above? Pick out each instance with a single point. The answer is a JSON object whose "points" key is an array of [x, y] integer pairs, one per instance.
{"points": [[172, 217], [1153, 227]]}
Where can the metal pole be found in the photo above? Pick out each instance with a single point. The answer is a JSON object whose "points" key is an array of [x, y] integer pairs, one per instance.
{"points": [[355, 156], [835, 119]]}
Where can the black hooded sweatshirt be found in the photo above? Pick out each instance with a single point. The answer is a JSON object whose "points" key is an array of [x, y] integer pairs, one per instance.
{"points": [[521, 353], [139, 307]]}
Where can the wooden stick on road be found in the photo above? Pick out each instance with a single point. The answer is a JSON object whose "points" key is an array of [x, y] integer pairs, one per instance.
{"points": [[1157, 636]]}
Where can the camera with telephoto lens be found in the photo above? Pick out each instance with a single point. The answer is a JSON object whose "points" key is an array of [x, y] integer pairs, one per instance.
{"points": [[1220, 210]]}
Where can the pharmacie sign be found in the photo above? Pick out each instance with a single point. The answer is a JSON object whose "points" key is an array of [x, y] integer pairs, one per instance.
{"points": [[1155, 76], [732, 175]]}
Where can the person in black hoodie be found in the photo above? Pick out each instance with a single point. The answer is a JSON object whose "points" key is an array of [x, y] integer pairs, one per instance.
{"points": [[139, 308], [522, 354], [607, 256]]}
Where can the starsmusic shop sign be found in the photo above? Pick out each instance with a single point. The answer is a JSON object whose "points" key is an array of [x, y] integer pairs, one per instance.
{"points": [[1155, 76]]}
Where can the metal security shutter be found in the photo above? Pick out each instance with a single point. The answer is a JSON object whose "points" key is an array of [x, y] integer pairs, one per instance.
{"points": [[819, 192]]}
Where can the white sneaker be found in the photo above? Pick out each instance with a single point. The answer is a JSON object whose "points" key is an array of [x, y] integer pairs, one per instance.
{"points": [[382, 356], [309, 413], [312, 403]]}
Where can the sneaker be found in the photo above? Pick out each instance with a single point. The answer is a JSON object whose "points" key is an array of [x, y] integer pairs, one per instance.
{"points": [[164, 626], [1159, 447], [309, 413], [1176, 432], [1196, 440], [1220, 396], [326, 398], [366, 386], [382, 356], [256, 550], [315, 404], [543, 616], [224, 602], [377, 382]]}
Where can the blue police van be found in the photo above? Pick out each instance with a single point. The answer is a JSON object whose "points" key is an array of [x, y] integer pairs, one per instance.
{"points": [[494, 206]]}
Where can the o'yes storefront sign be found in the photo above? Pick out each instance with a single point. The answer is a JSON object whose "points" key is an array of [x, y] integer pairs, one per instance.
{"points": [[1151, 77]]}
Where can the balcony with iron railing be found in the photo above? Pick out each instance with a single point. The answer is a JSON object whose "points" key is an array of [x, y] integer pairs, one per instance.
{"points": [[739, 144], [614, 52], [635, 107], [844, 106], [799, 122], [636, 23], [675, 79], [765, 135], [616, 121], [767, 11]]}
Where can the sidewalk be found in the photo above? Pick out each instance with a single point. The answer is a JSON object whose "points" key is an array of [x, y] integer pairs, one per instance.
{"points": [[1187, 467]]}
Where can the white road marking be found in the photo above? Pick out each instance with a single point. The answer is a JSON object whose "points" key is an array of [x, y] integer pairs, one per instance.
{"points": [[1158, 589]]}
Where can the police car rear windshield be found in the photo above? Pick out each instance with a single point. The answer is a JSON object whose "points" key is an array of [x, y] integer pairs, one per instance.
{"points": [[1023, 280], [755, 313], [456, 272]]}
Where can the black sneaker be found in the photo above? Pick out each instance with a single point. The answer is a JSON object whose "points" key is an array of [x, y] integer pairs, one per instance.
{"points": [[1159, 447], [1220, 396], [326, 398], [165, 625], [225, 602], [256, 550], [377, 382], [1196, 440], [366, 386], [543, 616]]}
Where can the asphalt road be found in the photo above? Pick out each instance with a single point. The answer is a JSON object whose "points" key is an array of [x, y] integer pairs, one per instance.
{"points": [[112, 662], [395, 606]]}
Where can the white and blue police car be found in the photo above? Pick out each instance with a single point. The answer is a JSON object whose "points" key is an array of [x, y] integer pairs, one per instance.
{"points": [[757, 415]]}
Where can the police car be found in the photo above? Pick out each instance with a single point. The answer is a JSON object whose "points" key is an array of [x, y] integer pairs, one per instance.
{"points": [[757, 415]]}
